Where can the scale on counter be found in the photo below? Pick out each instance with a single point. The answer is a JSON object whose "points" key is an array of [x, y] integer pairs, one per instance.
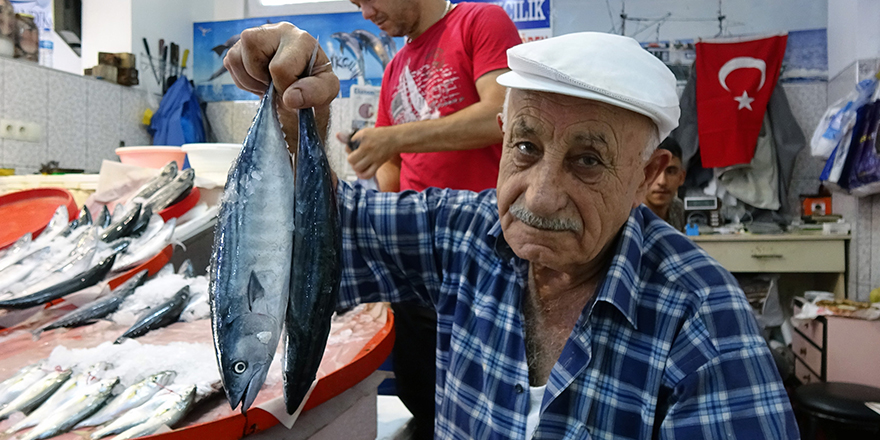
{"points": [[704, 203]]}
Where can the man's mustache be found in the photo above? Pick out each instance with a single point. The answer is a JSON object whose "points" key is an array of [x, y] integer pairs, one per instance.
{"points": [[550, 224]]}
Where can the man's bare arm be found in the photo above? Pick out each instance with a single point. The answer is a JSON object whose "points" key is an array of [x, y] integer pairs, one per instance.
{"points": [[472, 127]]}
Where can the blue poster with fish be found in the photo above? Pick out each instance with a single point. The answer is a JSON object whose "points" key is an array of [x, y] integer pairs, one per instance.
{"points": [[357, 49], [531, 17]]}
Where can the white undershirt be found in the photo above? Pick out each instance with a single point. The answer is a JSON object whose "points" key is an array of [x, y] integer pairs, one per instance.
{"points": [[536, 395]]}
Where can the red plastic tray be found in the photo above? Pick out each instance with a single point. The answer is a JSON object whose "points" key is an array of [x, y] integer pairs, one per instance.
{"points": [[182, 207], [235, 427], [152, 265], [30, 211]]}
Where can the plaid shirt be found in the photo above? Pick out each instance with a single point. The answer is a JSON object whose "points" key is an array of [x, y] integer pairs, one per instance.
{"points": [[667, 348]]}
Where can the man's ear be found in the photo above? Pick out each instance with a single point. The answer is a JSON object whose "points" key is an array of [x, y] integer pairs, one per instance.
{"points": [[654, 166]]}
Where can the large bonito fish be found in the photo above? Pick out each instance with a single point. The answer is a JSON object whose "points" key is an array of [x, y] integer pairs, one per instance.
{"points": [[314, 282], [250, 265]]}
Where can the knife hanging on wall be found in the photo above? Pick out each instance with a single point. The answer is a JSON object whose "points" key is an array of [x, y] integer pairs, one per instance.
{"points": [[152, 65], [175, 56]]}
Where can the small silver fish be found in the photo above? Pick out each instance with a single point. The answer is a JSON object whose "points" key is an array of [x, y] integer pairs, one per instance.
{"points": [[15, 385], [166, 175], [101, 307], [75, 409], [159, 316], [36, 393], [104, 218], [131, 397], [123, 226], [135, 416], [67, 391], [166, 414], [173, 192]]}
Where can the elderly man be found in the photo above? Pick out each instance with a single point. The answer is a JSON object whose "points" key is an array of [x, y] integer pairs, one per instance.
{"points": [[566, 309]]}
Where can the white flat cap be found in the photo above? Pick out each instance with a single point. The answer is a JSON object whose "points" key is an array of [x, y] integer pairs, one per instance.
{"points": [[602, 67]]}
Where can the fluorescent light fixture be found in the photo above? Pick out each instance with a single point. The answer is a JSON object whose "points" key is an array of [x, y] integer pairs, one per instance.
{"points": [[289, 2]]}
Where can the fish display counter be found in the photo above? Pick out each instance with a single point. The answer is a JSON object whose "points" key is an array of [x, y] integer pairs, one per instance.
{"points": [[257, 345], [181, 354]]}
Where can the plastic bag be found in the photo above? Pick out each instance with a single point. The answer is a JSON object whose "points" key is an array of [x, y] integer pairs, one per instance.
{"points": [[838, 119], [179, 118], [865, 173]]}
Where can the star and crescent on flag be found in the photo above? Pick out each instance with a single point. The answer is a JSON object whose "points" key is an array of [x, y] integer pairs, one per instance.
{"points": [[745, 101], [734, 84]]}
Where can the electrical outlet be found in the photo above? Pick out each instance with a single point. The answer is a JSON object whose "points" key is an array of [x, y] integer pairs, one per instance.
{"points": [[20, 130], [30, 132]]}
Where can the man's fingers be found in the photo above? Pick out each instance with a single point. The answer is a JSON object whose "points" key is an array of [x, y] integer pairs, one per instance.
{"points": [[369, 173], [292, 61], [312, 91], [342, 137], [281, 52], [356, 161], [242, 79], [258, 47]]}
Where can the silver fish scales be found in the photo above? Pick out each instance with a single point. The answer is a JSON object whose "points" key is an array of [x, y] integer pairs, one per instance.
{"points": [[250, 264]]}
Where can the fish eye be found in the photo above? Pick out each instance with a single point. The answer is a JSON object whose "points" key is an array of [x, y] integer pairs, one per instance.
{"points": [[239, 367]]}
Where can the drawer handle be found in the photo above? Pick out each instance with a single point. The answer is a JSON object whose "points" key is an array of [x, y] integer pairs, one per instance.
{"points": [[763, 256], [806, 378], [803, 351]]}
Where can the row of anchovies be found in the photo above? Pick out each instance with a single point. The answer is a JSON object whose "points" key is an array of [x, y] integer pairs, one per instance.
{"points": [[57, 401], [70, 256], [276, 260], [144, 305]]}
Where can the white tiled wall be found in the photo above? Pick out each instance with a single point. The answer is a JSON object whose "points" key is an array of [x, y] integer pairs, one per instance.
{"points": [[83, 120]]}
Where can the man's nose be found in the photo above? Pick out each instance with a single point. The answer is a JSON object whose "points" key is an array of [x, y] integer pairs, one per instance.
{"points": [[661, 178], [368, 12], [546, 194]]}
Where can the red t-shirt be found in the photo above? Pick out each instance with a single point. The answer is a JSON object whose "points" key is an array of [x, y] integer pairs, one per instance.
{"points": [[434, 76]]}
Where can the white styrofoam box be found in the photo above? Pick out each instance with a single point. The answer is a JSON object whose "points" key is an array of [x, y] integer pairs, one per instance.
{"points": [[80, 185]]}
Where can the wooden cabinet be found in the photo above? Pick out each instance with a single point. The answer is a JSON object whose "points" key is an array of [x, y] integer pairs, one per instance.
{"points": [[837, 349], [805, 262]]}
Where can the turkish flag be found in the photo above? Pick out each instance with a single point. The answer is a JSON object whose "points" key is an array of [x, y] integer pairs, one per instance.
{"points": [[734, 84]]}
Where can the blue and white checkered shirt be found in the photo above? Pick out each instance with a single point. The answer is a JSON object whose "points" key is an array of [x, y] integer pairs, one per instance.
{"points": [[668, 347]]}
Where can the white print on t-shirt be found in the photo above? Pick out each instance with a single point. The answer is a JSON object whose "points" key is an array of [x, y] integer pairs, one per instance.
{"points": [[422, 93]]}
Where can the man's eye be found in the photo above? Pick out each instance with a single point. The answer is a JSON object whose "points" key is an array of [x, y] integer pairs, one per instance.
{"points": [[588, 161], [526, 148]]}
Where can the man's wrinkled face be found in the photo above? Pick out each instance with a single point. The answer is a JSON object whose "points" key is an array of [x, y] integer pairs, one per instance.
{"points": [[571, 170], [665, 186], [396, 17]]}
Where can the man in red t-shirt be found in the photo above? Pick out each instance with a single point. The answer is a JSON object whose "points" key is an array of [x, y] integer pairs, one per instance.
{"points": [[436, 126], [436, 120]]}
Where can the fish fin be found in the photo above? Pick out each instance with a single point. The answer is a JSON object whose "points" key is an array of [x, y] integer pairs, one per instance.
{"points": [[219, 49], [255, 290]]}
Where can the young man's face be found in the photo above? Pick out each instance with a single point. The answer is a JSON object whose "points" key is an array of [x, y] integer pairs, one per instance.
{"points": [[664, 188], [396, 17]]}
